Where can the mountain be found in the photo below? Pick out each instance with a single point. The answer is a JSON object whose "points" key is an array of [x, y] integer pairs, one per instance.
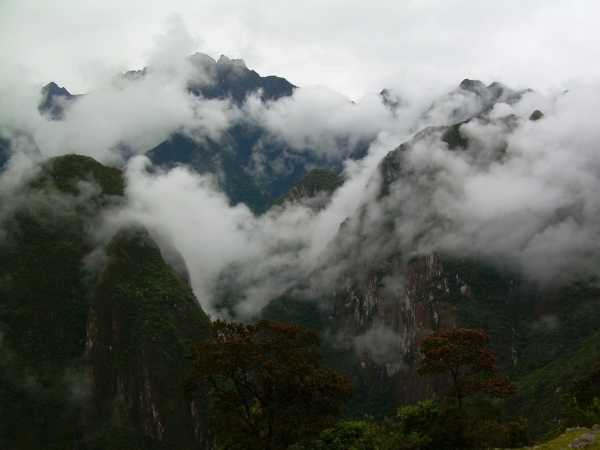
{"points": [[94, 334], [318, 184], [471, 98], [93, 339], [55, 101], [252, 166], [230, 78], [543, 335], [231, 157]]}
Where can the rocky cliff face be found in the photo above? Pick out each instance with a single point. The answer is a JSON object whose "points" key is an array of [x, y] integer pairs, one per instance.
{"points": [[542, 334], [542, 337], [390, 326], [142, 319]]}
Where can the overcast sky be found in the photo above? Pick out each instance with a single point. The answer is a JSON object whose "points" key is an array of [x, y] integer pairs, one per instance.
{"points": [[350, 46]]}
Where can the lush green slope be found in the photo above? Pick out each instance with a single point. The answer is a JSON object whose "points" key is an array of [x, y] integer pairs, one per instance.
{"points": [[543, 338], [64, 173], [53, 388], [143, 317], [43, 305], [315, 182]]}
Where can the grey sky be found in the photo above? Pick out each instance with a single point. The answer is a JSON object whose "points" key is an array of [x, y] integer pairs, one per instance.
{"points": [[352, 47]]}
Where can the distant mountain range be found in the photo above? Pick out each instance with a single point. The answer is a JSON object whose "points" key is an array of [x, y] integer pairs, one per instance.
{"points": [[94, 334]]}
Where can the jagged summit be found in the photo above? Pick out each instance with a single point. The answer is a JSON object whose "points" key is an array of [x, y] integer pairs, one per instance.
{"points": [[494, 93], [471, 98], [231, 78], [54, 89], [472, 85], [55, 100], [238, 63]]}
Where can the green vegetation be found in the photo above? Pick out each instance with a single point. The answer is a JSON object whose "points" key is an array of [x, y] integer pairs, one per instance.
{"points": [[44, 306], [65, 172], [143, 317], [93, 355], [55, 323], [426, 426], [583, 399], [315, 182], [542, 355], [453, 138]]}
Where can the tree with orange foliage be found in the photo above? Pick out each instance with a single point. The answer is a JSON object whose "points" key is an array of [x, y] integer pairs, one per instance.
{"points": [[266, 384], [460, 353]]}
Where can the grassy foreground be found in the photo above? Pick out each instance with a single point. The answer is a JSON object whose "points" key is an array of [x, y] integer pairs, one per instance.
{"points": [[572, 438]]}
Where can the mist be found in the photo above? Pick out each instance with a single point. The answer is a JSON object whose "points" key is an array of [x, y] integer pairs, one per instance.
{"points": [[522, 195]]}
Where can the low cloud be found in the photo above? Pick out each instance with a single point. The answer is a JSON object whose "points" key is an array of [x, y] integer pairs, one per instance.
{"points": [[380, 343], [523, 195]]}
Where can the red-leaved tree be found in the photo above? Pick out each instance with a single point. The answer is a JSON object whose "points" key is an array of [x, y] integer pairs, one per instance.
{"points": [[460, 354], [266, 384]]}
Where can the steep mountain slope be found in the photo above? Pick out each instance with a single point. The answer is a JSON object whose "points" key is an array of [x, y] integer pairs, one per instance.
{"points": [[471, 98], [251, 164], [543, 334], [228, 159], [231, 157], [318, 184], [142, 318], [392, 294], [373, 395], [43, 319], [57, 388]]}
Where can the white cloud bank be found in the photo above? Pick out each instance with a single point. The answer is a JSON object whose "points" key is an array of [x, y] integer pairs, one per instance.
{"points": [[524, 194]]}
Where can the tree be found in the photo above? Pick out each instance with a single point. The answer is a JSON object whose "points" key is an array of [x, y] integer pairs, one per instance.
{"points": [[460, 354], [266, 384], [583, 399]]}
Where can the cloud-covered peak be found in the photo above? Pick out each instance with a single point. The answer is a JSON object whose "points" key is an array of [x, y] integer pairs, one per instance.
{"points": [[234, 63], [471, 98], [55, 100]]}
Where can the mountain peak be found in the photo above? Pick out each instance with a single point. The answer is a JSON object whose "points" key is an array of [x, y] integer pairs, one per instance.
{"points": [[472, 85], [227, 77], [202, 59], [236, 63], [536, 115], [54, 89], [54, 100]]}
